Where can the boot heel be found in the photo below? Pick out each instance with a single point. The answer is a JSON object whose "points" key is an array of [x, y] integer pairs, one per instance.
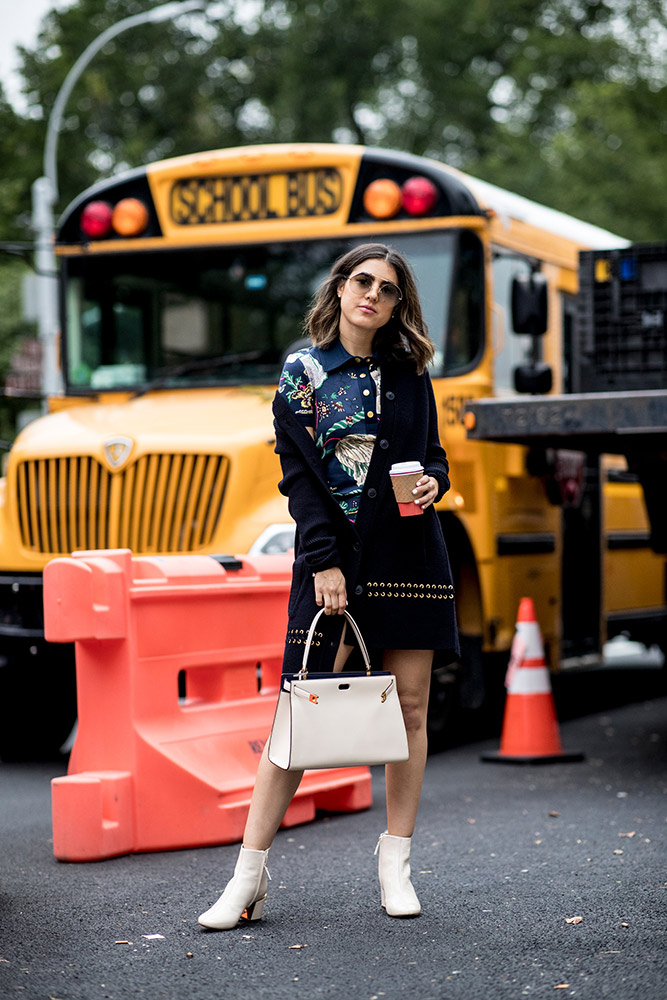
{"points": [[255, 910], [248, 883]]}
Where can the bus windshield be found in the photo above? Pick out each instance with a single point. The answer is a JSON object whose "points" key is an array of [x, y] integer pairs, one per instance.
{"points": [[157, 318]]}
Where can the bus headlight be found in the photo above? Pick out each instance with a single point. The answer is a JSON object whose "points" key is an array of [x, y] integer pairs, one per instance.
{"points": [[274, 540]]}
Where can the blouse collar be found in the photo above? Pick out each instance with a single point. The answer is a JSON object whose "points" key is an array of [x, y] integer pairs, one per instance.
{"points": [[336, 356]]}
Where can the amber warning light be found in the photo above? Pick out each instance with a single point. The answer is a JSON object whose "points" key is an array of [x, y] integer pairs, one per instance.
{"points": [[384, 198], [128, 218]]}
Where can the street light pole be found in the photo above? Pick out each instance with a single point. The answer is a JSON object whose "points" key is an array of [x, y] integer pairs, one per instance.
{"points": [[45, 190]]}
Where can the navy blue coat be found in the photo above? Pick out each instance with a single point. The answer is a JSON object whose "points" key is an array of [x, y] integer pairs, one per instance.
{"points": [[399, 582]]}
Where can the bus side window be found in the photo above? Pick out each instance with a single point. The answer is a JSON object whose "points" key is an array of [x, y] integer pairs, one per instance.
{"points": [[466, 312]]}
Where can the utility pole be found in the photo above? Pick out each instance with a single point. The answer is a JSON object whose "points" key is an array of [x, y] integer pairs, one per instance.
{"points": [[47, 285]]}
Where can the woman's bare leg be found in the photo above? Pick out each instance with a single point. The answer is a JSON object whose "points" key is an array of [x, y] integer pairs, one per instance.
{"points": [[342, 655], [275, 788], [412, 669]]}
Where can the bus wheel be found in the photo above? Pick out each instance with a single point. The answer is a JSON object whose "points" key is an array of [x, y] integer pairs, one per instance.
{"points": [[37, 699], [459, 696], [443, 704]]}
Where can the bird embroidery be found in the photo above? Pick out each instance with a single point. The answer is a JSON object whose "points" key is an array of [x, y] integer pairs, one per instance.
{"points": [[354, 453]]}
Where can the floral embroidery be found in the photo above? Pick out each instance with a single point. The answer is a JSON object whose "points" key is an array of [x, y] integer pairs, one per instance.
{"points": [[297, 387], [339, 397]]}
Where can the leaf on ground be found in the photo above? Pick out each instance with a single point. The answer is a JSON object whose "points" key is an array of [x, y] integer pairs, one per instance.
{"points": [[554, 813], [574, 920]]}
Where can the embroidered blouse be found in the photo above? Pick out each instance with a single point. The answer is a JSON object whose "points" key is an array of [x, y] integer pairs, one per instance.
{"points": [[338, 396]]}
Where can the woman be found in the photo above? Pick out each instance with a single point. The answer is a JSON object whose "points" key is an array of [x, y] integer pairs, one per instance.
{"points": [[346, 409]]}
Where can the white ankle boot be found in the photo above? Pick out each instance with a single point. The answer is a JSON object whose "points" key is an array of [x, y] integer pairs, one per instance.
{"points": [[244, 895], [398, 895]]}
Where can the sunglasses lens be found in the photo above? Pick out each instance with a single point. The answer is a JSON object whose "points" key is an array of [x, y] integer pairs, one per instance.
{"points": [[388, 292], [361, 282]]}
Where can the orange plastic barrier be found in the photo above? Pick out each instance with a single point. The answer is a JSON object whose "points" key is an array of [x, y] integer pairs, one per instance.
{"points": [[530, 733], [150, 770]]}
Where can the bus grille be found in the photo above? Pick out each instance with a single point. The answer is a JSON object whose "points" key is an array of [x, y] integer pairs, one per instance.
{"points": [[159, 503]]}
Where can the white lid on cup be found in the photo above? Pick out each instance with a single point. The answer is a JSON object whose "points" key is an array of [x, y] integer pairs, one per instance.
{"points": [[404, 468]]}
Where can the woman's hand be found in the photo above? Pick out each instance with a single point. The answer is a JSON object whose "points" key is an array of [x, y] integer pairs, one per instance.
{"points": [[330, 591], [425, 491]]}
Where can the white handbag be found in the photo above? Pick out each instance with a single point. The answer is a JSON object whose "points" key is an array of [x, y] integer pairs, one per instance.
{"points": [[337, 720]]}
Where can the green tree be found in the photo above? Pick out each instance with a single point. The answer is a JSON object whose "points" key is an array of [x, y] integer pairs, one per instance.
{"points": [[18, 168], [607, 167], [13, 328], [16, 176], [505, 91]]}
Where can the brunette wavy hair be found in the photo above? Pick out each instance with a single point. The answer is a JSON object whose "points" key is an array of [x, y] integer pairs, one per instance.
{"points": [[405, 337]]}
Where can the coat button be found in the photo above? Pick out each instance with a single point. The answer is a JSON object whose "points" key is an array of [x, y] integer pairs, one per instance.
{"points": [[358, 590], [372, 493], [390, 394], [384, 443], [357, 546]]}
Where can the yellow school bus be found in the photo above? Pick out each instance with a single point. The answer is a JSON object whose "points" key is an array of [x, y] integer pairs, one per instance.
{"points": [[183, 287]]}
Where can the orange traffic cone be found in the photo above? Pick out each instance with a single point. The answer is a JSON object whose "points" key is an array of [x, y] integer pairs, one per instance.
{"points": [[530, 728]]}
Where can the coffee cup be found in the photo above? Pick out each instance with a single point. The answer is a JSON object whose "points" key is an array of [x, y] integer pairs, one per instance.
{"points": [[404, 478]]}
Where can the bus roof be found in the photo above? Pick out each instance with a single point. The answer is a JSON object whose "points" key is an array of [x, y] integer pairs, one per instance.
{"points": [[515, 206]]}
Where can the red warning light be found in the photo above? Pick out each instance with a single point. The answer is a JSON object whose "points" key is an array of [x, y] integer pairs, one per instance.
{"points": [[419, 195], [96, 219]]}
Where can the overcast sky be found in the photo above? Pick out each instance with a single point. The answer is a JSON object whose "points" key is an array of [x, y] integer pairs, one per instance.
{"points": [[20, 24]]}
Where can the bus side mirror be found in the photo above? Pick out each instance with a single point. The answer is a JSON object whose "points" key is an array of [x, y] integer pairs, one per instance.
{"points": [[530, 315], [529, 304], [536, 378]]}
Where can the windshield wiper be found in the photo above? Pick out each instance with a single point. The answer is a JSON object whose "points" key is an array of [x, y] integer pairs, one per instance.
{"points": [[195, 366]]}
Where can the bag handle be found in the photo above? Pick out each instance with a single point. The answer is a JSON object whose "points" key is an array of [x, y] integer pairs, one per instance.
{"points": [[309, 641]]}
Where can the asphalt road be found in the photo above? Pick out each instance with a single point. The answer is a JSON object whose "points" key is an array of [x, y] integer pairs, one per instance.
{"points": [[504, 856]]}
